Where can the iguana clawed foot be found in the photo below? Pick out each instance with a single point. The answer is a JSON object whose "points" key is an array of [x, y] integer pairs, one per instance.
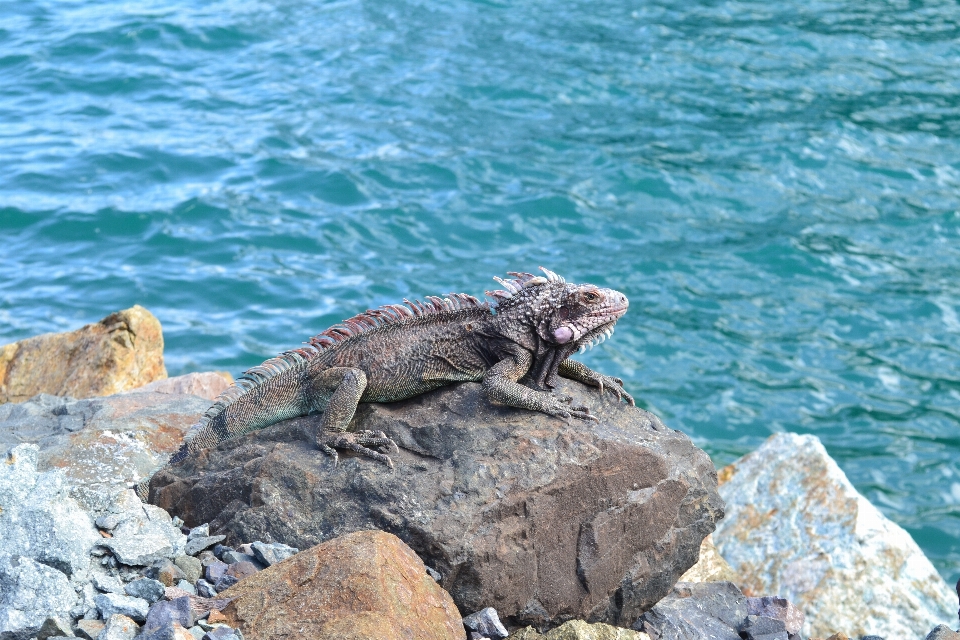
{"points": [[359, 442], [614, 385], [557, 408]]}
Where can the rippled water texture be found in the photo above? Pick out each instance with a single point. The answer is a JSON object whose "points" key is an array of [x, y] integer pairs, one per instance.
{"points": [[774, 186]]}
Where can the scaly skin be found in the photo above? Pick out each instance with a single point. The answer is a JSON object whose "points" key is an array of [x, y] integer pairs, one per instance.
{"points": [[534, 324]]}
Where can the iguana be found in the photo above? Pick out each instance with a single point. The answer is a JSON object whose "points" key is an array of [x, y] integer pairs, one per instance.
{"points": [[529, 329]]}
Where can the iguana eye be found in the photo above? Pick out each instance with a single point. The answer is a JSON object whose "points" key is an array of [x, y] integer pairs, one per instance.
{"points": [[591, 297]]}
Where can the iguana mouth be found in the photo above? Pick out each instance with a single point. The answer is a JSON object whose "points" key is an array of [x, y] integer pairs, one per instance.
{"points": [[596, 336]]}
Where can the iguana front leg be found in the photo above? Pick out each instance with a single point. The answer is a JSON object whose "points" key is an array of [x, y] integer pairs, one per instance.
{"points": [[582, 373], [336, 392], [500, 384]]}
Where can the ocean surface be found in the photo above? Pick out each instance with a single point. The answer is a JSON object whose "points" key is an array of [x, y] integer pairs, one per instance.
{"points": [[775, 186]]}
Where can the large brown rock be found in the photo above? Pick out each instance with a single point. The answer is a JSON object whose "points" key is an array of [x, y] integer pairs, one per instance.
{"points": [[542, 519], [359, 586], [122, 351]]}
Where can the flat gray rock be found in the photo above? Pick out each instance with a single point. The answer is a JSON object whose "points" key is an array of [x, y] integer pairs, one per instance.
{"points": [[109, 442], [197, 544], [39, 519], [111, 603], [717, 611], [270, 554], [542, 519], [30, 593]]}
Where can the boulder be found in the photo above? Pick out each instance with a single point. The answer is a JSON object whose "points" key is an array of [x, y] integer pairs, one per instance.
{"points": [[103, 443], [358, 586], [30, 593], [122, 351], [39, 519], [796, 527], [543, 519]]}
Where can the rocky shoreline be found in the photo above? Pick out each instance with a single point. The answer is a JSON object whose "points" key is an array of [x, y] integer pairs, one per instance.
{"points": [[495, 522]]}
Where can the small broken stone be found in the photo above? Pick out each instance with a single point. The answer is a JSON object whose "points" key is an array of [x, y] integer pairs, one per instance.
{"points": [[191, 567], [89, 629], [225, 583], [186, 586], [215, 570], [487, 623], [205, 589], [166, 613], [198, 544], [221, 633], [200, 531], [128, 606], [107, 583], [943, 632], [149, 590], [215, 616], [220, 549], [241, 570], [233, 557], [119, 627], [270, 554], [54, 627], [170, 574]]}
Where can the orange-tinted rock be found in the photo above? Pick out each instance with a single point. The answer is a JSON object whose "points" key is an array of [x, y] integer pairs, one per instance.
{"points": [[362, 585], [216, 616], [115, 440], [122, 351], [711, 567], [206, 385]]}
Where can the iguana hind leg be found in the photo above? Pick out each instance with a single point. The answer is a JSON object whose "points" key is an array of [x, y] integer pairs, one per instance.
{"points": [[336, 392]]}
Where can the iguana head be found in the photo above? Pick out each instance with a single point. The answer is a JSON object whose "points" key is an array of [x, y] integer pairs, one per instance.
{"points": [[557, 313]]}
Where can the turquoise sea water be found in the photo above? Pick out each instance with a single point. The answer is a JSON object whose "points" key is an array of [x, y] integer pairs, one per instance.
{"points": [[773, 185]]}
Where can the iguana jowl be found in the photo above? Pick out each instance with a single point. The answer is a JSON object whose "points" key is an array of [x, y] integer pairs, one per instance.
{"points": [[398, 351]]}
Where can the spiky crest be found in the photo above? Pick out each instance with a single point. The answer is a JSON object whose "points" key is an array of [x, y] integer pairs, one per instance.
{"points": [[361, 323], [522, 281]]}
